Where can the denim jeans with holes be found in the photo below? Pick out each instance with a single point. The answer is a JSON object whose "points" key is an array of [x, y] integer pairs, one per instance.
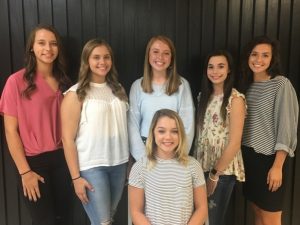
{"points": [[219, 200], [108, 183]]}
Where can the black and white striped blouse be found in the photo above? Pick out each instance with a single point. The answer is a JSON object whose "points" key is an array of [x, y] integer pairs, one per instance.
{"points": [[271, 123]]}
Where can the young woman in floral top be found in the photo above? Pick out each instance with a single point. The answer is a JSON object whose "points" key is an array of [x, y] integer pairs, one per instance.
{"points": [[221, 114]]}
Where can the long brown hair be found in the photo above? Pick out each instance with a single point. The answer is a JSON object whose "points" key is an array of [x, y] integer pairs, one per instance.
{"points": [[59, 64], [173, 78], [207, 87], [85, 77]]}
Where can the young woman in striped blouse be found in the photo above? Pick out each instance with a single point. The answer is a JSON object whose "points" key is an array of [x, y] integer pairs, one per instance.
{"points": [[270, 132], [167, 186]]}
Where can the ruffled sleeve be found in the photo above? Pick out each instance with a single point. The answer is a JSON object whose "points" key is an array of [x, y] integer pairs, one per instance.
{"points": [[235, 94]]}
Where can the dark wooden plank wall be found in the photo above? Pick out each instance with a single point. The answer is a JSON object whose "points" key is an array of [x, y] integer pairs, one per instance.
{"points": [[196, 26]]}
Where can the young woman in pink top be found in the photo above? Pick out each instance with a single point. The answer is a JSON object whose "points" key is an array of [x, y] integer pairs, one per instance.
{"points": [[30, 104]]}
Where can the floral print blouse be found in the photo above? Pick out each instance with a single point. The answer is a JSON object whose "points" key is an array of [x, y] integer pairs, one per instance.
{"points": [[214, 136]]}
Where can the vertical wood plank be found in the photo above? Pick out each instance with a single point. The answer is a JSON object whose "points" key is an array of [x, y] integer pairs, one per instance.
{"points": [[294, 64], [284, 33], [73, 46], [233, 33], [17, 33], [246, 22], [103, 19], [45, 11], [59, 13], [5, 40], [194, 45], [208, 21], [221, 21], [30, 15], [130, 69], [272, 18], [182, 37], [259, 24]]}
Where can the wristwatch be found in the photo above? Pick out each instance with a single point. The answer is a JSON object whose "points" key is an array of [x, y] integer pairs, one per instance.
{"points": [[215, 172]]}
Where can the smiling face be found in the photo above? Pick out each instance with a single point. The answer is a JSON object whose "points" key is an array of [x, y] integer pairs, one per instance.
{"points": [[45, 47], [217, 70], [260, 59], [100, 63], [166, 136], [160, 56]]}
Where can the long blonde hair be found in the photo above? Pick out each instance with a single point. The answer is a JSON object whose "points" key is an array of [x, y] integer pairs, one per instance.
{"points": [[85, 77], [173, 78], [151, 147]]}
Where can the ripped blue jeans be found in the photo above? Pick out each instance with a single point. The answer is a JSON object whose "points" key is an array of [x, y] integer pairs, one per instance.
{"points": [[108, 183], [219, 200]]}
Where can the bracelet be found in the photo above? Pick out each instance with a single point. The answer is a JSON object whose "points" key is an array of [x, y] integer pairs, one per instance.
{"points": [[21, 174], [76, 178], [212, 179]]}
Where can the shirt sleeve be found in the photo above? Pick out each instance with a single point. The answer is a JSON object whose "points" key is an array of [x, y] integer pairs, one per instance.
{"points": [[197, 173], [286, 121], [137, 147], [186, 111], [136, 178], [72, 89], [8, 101]]}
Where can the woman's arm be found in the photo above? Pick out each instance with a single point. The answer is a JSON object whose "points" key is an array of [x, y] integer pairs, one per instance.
{"points": [[137, 147], [200, 202], [286, 121], [30, 179], [236, 124], [137, 203], [187, 112], [274, 178], [70, 117]]}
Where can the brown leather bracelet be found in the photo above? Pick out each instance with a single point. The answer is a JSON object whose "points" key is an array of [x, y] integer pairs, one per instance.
{"points": [[76, 178], [21, 174]]}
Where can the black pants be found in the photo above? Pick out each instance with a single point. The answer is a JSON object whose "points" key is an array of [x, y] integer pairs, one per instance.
{"points": [[56, 193]]}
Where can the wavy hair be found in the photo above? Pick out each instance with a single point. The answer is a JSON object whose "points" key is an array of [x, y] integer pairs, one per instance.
{"points": [[173, 78], [85, 74], [59, 64], [207, 87], [246, 73], [151, 147]]}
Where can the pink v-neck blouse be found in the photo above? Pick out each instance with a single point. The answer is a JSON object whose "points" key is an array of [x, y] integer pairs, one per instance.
{"points": [[38, 117]]}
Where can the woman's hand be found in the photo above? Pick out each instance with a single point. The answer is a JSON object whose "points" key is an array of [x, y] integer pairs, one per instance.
{"points": [[274, 179], [30, 183], [80, 186], [211, 184]]}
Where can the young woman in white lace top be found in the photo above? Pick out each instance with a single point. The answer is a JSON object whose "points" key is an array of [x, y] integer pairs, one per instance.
{"points": [[94, 131]]}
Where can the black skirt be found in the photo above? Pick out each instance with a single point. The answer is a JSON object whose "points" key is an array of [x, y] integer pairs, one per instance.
{"points": [[255, 188]]}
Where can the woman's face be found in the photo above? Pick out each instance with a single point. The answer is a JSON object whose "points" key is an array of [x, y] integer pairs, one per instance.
{"points": [[100, 63], [45, 47], [166, 137], [159, 56], [260, 58], [217, 69]]}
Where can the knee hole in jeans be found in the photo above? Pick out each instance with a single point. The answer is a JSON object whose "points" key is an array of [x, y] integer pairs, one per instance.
{"points": [[106, 223]]}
